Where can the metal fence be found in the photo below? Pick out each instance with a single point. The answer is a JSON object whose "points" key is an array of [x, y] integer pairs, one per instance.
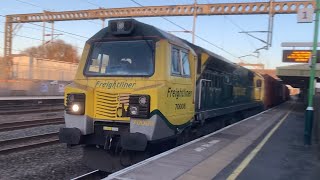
{"points": [[25, 87], [24, 67], [27, 76]]}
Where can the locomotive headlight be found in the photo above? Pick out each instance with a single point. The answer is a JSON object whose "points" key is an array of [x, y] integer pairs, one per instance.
{"points": [[120, 25], [75, 108], [143, 100], [134, 110], [75, 103]]}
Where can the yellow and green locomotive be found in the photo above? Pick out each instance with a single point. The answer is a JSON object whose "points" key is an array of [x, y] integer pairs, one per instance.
{"points": [[137, 85]]}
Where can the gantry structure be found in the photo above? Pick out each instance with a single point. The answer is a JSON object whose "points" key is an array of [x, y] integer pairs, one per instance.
{"points": [[270, 8]]}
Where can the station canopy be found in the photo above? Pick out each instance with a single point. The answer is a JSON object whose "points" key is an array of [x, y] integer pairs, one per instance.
{"points": [[297, 75]]}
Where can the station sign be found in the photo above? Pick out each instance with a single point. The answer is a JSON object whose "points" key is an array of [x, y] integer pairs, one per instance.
{"points": [[305, 15], [298, 56]]}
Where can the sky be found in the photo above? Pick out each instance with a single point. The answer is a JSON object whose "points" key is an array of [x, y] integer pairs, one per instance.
{"points": [[222, 31]]}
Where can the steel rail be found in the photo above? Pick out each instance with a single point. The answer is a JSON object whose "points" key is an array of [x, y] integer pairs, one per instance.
{"points": [[9, 126], [8, 106], [24, 143], [27, 111]]}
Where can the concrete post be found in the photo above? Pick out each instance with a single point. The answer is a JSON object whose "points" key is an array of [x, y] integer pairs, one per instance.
{"points": [[30, 67]]}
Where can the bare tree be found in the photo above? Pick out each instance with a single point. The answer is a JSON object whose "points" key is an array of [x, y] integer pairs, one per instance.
{"points": [[56, 50]]}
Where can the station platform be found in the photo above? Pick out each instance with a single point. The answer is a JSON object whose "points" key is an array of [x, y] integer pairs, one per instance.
{"points": [[268, 145]]}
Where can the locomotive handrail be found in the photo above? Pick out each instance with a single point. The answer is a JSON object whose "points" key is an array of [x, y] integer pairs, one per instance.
{"points": [[201, 80]]}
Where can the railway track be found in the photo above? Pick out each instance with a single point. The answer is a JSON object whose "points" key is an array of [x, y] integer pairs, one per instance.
{"points": [[23, 106], [24, 143], [96, 174], [9, 126], [10, 111]]}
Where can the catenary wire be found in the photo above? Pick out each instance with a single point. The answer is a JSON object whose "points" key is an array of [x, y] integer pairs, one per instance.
{"points": [[199, 37], [32, 38]]}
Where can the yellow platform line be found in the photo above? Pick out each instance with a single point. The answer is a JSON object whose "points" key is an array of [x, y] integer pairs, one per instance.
{"points": [[255, 151]]}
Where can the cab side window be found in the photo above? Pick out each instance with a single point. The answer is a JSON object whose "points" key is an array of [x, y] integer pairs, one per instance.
{"points": [[175, 61], [185, 64], [180, 62]]}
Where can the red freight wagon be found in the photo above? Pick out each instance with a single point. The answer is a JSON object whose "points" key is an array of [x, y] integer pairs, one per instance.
{"points": [[275, 92]]}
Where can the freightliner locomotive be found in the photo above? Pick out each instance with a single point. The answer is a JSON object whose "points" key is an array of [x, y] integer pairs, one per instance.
{"points": [[138, 86]]}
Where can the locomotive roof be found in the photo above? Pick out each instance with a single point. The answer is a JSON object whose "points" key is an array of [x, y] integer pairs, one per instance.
{"points": [[143, 31]]}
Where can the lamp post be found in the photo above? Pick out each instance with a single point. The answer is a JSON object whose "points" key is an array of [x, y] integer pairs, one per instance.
{"points": [[309, 110]]}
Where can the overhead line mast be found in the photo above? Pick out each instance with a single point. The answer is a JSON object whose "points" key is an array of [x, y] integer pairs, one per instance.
{"points": [[284, 7], [194, 21]]}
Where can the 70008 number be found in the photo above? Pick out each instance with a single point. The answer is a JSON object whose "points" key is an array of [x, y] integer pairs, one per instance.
{"points": [[181, 106]]}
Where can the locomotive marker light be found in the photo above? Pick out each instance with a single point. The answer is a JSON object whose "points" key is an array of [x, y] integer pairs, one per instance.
{"points": [[142, 100], [134, 110], [71, 97]]}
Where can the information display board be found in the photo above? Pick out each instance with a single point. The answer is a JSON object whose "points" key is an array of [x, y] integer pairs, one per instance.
{"points": [[298, 56]]}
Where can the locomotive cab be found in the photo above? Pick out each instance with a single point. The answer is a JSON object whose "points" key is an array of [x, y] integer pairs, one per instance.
{"points": [[134, 85]]}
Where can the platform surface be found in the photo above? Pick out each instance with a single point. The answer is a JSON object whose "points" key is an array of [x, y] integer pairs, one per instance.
{"points": [[221, 154], [284, 155]]}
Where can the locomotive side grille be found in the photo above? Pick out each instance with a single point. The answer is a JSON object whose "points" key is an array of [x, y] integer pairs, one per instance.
{"points": [[106, 105]]}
